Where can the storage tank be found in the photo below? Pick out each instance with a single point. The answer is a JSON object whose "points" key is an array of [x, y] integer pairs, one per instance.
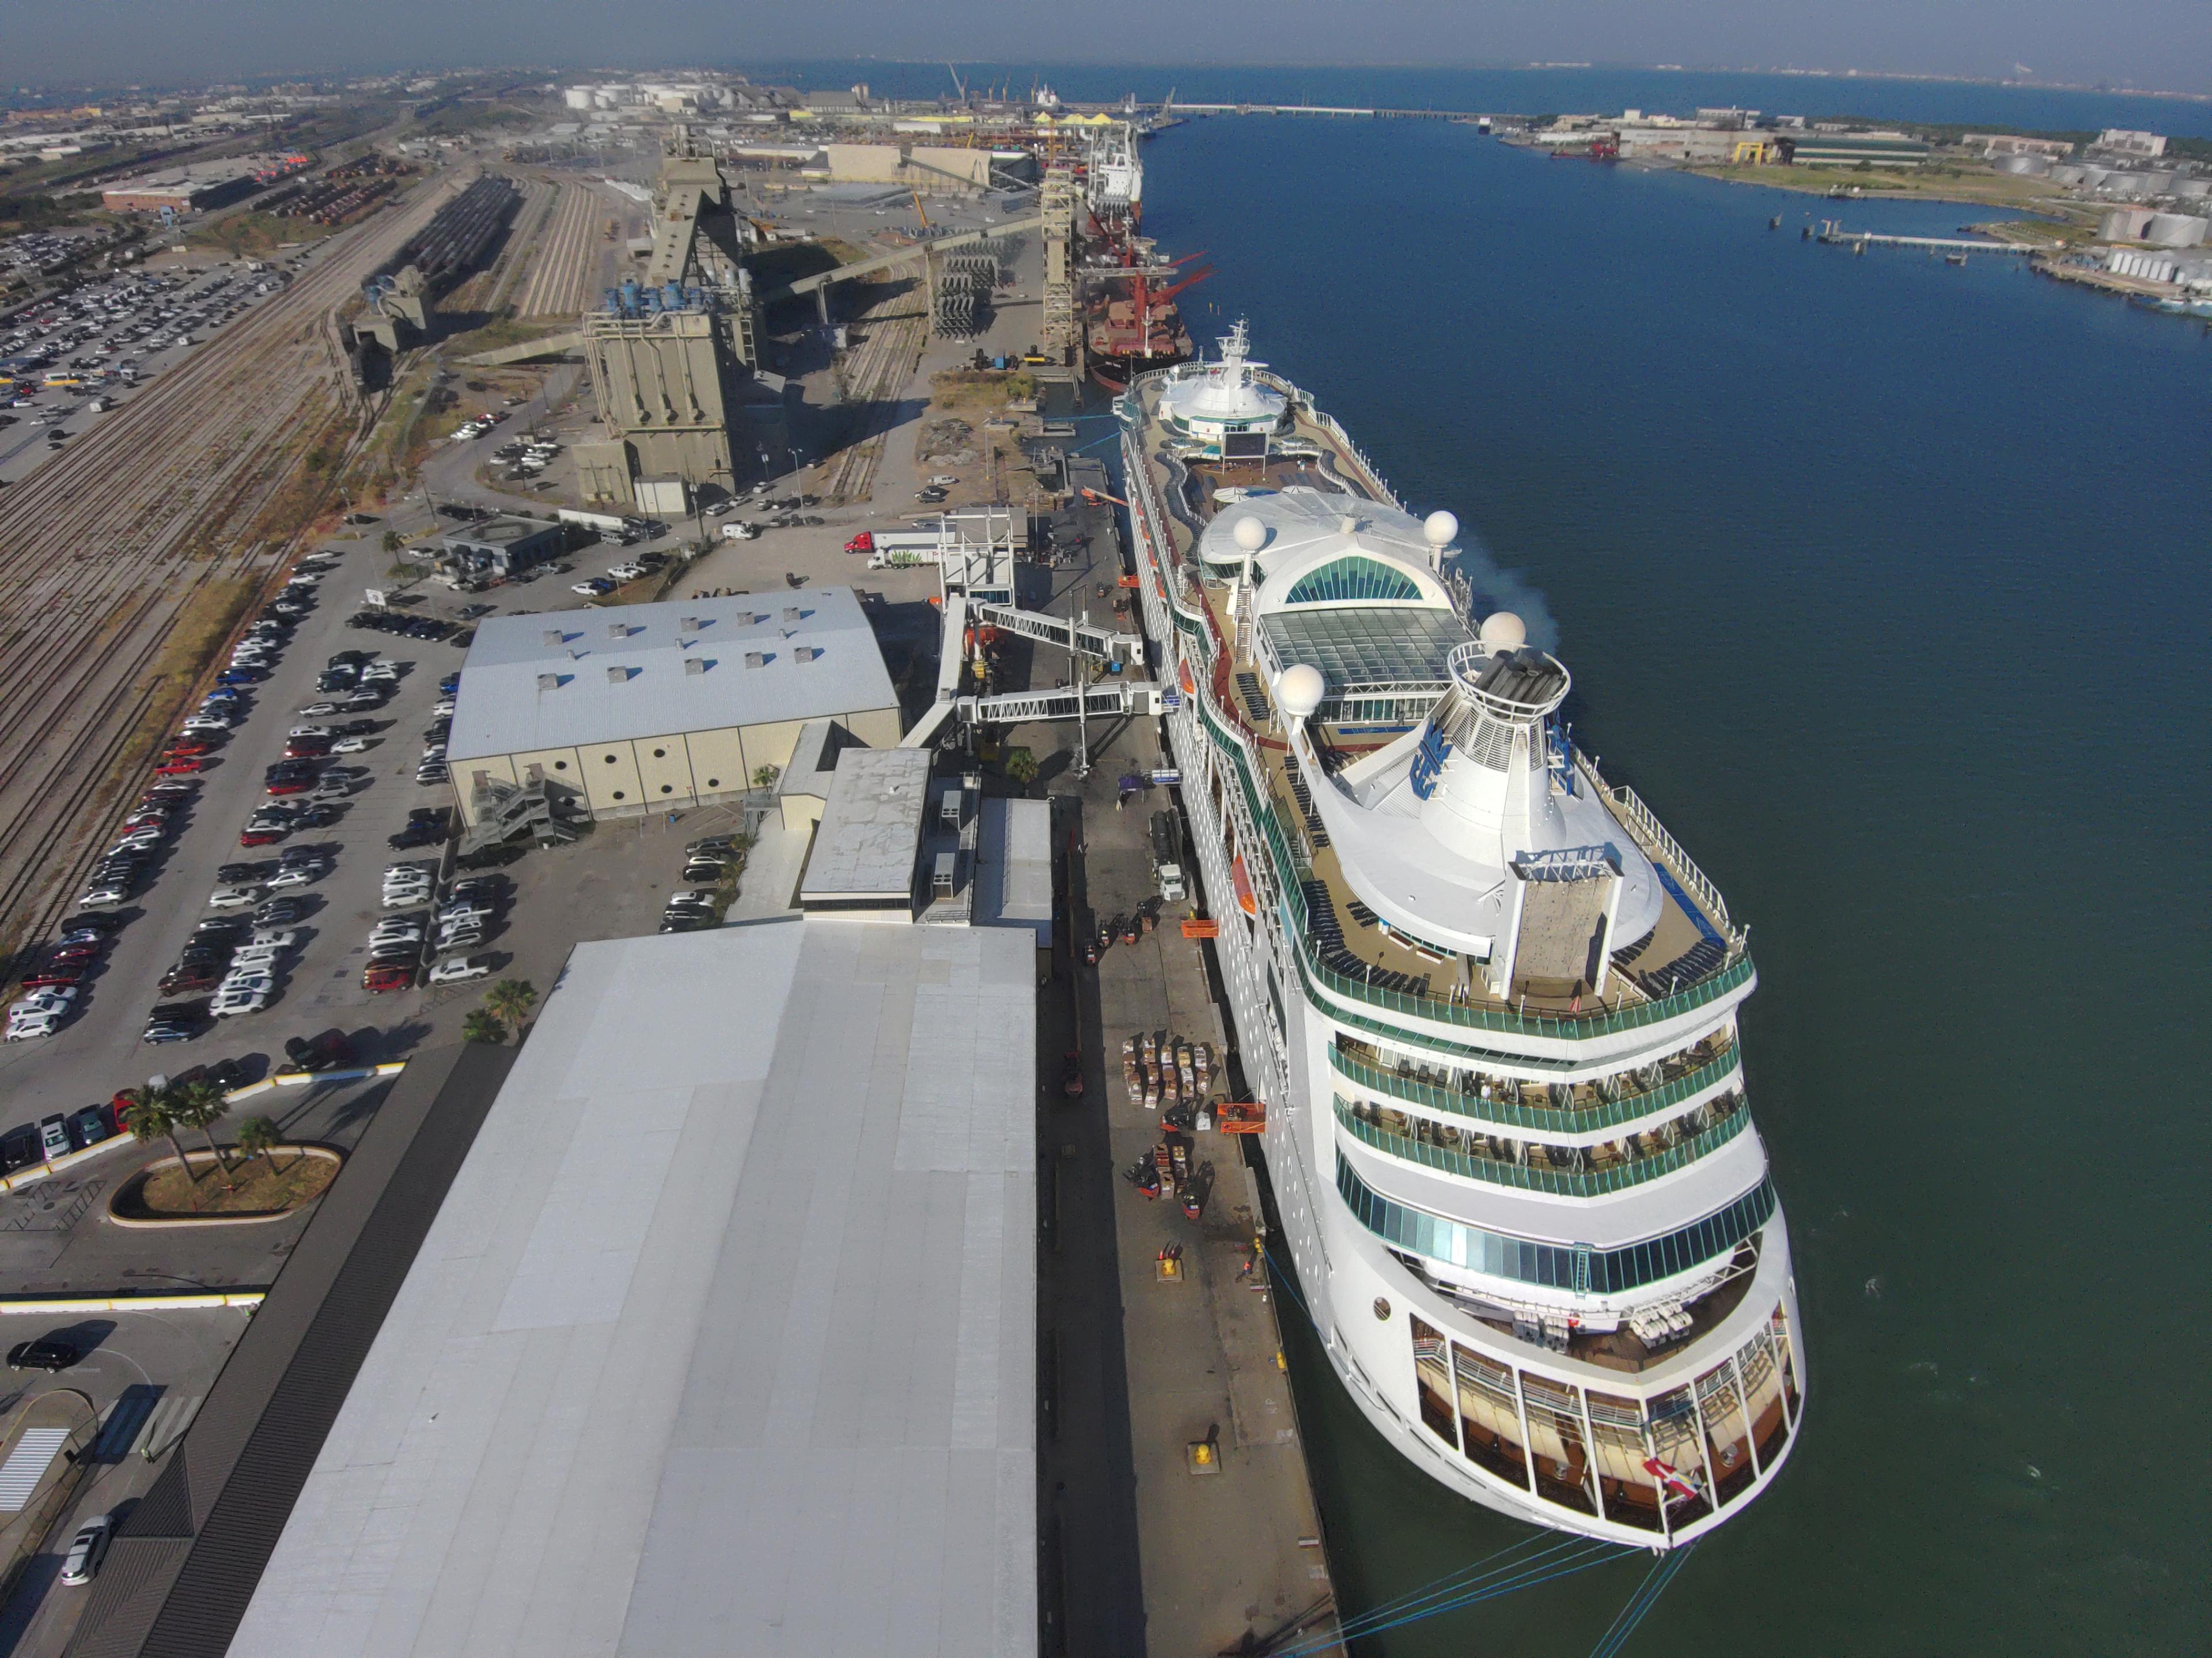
{"points": [[2032, 166], [2174, 230], [2067, 173], [2124, 224], [2193, 188]]}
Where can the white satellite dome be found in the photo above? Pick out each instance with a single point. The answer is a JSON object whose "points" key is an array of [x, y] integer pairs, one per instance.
{"points": [[1248, 533], [1299, 691], [1502, 631], [1441, 529]]}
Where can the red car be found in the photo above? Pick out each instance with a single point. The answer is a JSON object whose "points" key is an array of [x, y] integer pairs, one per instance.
{"points": [[178, 983], [260, 837], [382, 979], [291, 786], [307, 748], [51, 976], [174, 766], [190, 745]]}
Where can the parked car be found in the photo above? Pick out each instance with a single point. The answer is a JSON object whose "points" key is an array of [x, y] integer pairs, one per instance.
{"points": [[87, 1549], [455, 969], [245, 996], [378, 979], [243, 898], [47, 1353], [328, 1052]]}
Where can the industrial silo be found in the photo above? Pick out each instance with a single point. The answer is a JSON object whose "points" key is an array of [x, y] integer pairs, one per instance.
{"points": [[2174, 230]]}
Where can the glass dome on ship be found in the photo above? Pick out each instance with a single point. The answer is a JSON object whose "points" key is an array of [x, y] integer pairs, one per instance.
{"points": [[1489, 1004]]}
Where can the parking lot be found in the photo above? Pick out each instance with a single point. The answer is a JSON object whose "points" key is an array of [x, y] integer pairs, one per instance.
{"points": [[66, 360]]}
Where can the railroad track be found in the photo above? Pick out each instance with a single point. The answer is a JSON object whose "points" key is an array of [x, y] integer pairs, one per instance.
{"points": [[106, 546], [559, 283], [893, 346]]}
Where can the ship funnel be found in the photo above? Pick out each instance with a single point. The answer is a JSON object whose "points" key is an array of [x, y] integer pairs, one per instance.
{"points": [[1481, 770]]}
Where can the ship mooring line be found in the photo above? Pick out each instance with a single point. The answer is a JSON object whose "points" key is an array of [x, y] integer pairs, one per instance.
{"points": [[1641, 1602], [1537, 1570]]}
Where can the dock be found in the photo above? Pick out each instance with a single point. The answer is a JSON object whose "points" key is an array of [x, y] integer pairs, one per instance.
{"points": [[1830, 232], [1180, 1515], [1230, 1527]]}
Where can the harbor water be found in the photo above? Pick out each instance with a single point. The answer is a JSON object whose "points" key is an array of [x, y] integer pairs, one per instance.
{"points": [[1887, 582]]}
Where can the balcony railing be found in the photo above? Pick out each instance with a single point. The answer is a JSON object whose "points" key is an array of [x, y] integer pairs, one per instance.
{"points": [[1559, 1182], [1538, 1117]]}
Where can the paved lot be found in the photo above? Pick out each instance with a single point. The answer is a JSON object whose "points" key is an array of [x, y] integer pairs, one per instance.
{"points": [[24, 446], [145, 1376]]}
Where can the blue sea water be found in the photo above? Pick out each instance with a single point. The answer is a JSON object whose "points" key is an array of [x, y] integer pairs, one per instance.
{"points": [[1888, 583]]}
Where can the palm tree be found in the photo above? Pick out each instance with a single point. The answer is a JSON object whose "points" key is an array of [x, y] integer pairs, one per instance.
{"points": [[201, 1105], [764, 776], [509, 1001], [1021, 767], [258, 1137], [150, 1115], [482, 1027]]}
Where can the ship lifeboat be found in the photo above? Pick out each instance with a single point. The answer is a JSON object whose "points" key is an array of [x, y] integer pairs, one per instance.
{"points": [[1241, 878], [1189, 684]]}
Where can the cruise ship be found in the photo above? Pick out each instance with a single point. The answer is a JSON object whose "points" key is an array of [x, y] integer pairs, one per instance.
{"points": [[1488, 1003]]}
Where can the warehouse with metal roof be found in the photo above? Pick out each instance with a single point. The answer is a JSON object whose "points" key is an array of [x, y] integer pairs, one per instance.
{"points": [[723, 1339], [646, 708]]}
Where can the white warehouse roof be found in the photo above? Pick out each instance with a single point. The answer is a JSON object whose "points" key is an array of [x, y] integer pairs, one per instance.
{"points": [[723, 1340], [569, 678]]}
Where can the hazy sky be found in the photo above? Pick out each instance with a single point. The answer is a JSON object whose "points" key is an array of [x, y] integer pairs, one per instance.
{"points": [[2166, 43]]}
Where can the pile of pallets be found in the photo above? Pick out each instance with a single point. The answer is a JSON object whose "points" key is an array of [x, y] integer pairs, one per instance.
{"points": [[1162, 1069]]}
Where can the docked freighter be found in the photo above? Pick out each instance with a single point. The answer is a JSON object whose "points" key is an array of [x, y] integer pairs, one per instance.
{"points": [[1489, 1004]]}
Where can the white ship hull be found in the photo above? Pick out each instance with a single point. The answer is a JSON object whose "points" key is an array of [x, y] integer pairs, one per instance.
{"points": [[1649, 1442]]}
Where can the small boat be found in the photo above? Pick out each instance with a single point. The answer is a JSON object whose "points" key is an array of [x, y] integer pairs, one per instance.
{"points": [[1775, 223], [1954, 259]]}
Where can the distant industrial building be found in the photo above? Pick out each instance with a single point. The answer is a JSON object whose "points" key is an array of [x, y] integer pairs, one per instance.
{"points": [[933, 169], [194, 189], [2006, 144], [2123, 141], [646, 707], [1882, 150]]}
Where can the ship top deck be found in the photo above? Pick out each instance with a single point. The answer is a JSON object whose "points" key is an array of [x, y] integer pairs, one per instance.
{"points": [[1322, 505]]}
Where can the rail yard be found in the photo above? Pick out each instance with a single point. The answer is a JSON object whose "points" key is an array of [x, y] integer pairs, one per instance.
{"points": [[140, 523]]}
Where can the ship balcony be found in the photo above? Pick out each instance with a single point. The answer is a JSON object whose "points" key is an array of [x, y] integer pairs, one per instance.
{"points": [[1666, 1462], [1573, 1171], [1577, 1109]]}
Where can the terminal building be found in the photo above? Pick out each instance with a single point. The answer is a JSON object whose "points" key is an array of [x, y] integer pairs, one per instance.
{"points": [[647, 707], [705, 1322], [503, 546]]}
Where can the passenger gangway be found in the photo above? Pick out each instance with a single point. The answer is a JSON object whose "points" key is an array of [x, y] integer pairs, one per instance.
{"points": [[1066, 632], [1105, 698]]}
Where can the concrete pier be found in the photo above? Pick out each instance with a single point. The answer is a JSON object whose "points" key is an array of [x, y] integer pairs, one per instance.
{"points": [[1229, 1545]]}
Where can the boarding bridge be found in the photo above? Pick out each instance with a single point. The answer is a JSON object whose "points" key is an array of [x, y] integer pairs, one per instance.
{"points": [[1064, 631], [1106, 698]]}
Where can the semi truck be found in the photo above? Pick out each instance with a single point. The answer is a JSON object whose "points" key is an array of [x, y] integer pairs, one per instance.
{"points": [[889, 550], [605, 522], [1167, 857]]}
